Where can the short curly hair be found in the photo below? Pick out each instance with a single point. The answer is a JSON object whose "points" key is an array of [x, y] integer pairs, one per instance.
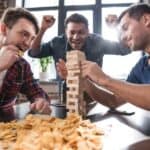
{"points": [[76, 18]]}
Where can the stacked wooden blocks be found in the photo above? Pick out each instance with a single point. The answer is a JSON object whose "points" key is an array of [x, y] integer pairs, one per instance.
{"points": [[75, 98]]}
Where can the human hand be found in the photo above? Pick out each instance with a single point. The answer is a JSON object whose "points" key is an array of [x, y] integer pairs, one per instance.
{"points": [[47, 22], [92, 71], [41, 106], [61, 69], [8, 56], [111, 20]]}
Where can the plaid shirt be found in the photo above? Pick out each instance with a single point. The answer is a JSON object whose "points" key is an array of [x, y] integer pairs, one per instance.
{"points": [[19, 79]]}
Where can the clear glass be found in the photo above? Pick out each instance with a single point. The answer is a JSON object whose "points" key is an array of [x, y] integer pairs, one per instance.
{"points": [[40, 3], [110, 33], [86, 13], [79, 2], [118, 1]]}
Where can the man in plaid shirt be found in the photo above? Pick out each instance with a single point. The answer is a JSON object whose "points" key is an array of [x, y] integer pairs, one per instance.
{"points": [[18, 28]]}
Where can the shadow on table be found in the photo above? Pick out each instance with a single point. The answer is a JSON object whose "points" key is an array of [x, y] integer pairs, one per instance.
{"points": [[142, 145], [138, 120]]}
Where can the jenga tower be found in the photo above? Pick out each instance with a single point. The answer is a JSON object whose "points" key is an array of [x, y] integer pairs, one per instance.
{"points": [[75, 99]]}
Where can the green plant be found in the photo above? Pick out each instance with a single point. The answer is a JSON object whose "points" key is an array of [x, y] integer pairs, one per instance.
{"points": [[44, 62]]}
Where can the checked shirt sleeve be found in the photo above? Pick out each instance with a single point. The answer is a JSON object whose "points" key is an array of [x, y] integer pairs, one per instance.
{"points": [[30, 86]]}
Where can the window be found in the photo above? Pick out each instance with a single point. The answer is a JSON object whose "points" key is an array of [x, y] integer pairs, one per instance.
{"points": [[79, 2], [109, 32], [119, 1], [49, 34], [40, 3], [120, 70], [53, 31], [95, 11]]}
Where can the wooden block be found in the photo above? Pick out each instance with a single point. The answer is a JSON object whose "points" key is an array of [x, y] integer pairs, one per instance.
{"points": [[74, 72], [75, 94], [74, 61], [74, 89], [71, 94], [73, 107], [72, 103], [72, 67], [75, 102], [73, 80], [74, 111], [75, 54]]}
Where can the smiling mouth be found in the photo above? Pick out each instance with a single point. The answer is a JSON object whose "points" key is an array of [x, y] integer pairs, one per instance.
{"points": [[75, 43]]}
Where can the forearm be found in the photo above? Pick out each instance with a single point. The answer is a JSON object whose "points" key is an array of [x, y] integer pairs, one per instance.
{"points": [[105, 98], [137, 94], [35, 47]]}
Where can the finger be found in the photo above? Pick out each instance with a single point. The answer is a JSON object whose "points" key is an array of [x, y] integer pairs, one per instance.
{"points": [[58, 67], [45, 109], [32, 106], [62, 61], [49, 19], [39, 105], [11, 48], [61, 66]]}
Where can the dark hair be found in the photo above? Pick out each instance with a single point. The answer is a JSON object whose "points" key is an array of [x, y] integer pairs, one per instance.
{"points": [[76, 18], [12, 15], [136, 11]]}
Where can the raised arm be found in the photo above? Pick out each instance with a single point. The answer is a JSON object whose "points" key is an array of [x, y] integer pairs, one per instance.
{"points": [[47, 22]]}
